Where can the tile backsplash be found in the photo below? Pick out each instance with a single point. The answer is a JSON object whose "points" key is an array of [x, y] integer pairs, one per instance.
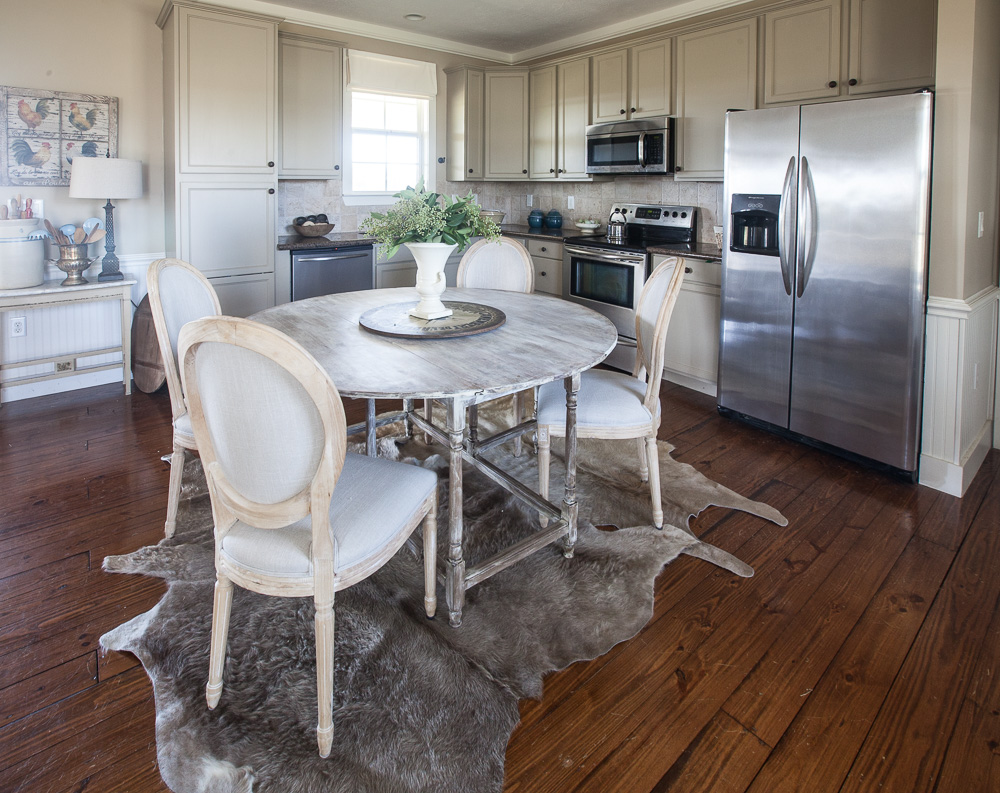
{"points": [[591, 199]]}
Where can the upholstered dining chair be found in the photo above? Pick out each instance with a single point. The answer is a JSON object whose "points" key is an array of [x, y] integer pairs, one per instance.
{"points": [[497, 264], [295, 514], [614, 405], [178, 293]]}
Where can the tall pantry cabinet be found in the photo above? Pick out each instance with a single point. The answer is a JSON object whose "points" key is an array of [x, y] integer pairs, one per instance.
{"points": [[220, 117]]}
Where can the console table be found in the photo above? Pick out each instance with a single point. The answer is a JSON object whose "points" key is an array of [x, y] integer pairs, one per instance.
{"points": [[50, 293]]}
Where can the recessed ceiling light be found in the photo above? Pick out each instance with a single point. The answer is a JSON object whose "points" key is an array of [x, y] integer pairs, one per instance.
{"points": [[414, 17]]}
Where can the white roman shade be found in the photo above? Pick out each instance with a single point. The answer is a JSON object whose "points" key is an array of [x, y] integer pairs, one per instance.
{"points": [[384, 74]]}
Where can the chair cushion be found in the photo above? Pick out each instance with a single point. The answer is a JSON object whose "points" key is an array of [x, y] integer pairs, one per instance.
{"points": [[605, 399], [372, 502], [183, 428]]}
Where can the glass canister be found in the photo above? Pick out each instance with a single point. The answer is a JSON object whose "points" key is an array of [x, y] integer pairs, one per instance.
{"points": [[22, 260]]}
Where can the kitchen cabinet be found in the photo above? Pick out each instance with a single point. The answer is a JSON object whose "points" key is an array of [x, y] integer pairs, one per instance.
{"points": [[466, 99], [310, 105], [691, 356], [802, 52], [220, 120], [222, 97], [546, 258], [633, 82], [890, 47], [573, 116], [542, 104], [716, 72], [506, 149]]}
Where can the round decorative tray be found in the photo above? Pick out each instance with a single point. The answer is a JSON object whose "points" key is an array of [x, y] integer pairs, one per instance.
{"points": [[467, 319]]}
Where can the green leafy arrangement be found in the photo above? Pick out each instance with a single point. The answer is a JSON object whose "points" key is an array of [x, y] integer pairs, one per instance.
{"points": [[420, 216]]}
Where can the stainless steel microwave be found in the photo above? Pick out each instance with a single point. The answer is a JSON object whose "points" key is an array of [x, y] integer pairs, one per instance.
{"points": [[640, 146]]}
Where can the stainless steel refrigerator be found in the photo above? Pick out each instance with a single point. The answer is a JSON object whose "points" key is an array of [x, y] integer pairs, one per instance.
{"points": [[825, 272]]}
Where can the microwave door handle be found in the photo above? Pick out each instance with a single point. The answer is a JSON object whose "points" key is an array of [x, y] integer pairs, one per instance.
{"points": [[786, 224], [806, 253], [642, 149]]}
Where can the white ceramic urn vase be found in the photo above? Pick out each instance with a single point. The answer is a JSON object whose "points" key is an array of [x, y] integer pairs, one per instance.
{"points": [[430, 258]]}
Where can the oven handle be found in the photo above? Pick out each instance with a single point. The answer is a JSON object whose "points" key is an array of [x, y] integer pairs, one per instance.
{"points": [[597, 253]]}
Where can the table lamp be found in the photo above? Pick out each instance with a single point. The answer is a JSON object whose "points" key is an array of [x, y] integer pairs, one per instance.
{"points": [[106, 177]]}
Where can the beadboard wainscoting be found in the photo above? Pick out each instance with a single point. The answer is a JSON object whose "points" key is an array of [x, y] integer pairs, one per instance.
{"points": [[959, 382], [60, 330]]}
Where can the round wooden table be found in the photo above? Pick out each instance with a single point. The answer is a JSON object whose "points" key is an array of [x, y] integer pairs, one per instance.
{"points": [[544, 339]]}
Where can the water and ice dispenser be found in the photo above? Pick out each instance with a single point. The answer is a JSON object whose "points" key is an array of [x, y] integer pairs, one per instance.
{"points": [[754, 221]]}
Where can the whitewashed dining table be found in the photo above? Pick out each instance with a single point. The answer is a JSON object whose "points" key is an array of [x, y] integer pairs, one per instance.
{"points": [[542, 340]]}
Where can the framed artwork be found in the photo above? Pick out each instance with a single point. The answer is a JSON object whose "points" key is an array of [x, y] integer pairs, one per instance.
{"points": [[41, 132]]}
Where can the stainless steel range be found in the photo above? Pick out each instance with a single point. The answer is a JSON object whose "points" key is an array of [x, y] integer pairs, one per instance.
{"points": [[607, 273]]}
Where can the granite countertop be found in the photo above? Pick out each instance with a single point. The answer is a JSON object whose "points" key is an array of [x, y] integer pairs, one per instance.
{"points": [[524, 230], [702, 250], [296, 242]]}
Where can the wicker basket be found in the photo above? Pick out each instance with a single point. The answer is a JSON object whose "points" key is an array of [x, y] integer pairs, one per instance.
{"points": [[314, 230]]}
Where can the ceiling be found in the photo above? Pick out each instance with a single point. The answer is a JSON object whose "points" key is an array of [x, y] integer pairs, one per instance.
{"points": [[504, 30]]}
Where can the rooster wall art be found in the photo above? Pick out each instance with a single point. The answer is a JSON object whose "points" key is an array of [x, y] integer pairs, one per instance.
{"points": [[42, 132]]}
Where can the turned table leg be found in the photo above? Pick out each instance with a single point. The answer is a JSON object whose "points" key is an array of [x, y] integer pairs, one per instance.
{"points": [[570, 506], [455, 587]]}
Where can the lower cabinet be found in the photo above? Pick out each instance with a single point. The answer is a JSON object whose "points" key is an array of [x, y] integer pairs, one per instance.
{"points": [[692, 352], [243, 295], [547, 259]]}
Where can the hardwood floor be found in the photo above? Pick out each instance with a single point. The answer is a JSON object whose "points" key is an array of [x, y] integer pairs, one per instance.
{"points": [[862, 656]]}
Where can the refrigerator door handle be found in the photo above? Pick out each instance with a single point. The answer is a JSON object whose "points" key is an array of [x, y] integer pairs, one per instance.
{"points": [[807, 251], [784, 226]]}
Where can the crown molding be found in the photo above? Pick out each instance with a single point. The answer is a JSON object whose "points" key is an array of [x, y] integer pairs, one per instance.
{"points": [[686, 10]]}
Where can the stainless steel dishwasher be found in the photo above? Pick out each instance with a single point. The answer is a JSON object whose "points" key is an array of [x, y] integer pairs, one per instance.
{"points": [[338, 268]]}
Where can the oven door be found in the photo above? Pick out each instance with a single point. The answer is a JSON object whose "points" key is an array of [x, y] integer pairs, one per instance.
{"points": [[607, 281]]}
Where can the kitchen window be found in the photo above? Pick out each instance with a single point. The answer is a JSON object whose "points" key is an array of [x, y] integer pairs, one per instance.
{"points": [[388, 135]]}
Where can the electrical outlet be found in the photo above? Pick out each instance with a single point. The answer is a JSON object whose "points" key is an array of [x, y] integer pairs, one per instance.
{"points": [[530, 199], [64, 366], [570, 202], [18, 327]]}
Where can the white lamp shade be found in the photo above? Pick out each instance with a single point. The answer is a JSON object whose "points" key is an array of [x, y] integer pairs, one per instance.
{"points": [[105, 177]]}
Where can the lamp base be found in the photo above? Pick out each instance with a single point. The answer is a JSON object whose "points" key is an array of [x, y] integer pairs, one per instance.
{"points": [[109, 264]]}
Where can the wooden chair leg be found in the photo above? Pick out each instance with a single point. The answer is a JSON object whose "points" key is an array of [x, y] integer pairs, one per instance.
{"points": [[428, 414], [518, 418], [544, 450], [324, 673], [430, 558], [654, 481], [220, 633], [177, 459], [643, 465]]}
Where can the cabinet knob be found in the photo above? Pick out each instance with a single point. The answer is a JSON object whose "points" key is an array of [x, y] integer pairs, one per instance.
{"points": [[622, 111], [552, 170], [831, 84], [562, 171], [441, 160], [525, 170], [688, 270], [544, 249], [336, 167], [852, 81], [678, 168], [543, 273], [270, 191], [270, 164], [470, 170], [631, 110]]}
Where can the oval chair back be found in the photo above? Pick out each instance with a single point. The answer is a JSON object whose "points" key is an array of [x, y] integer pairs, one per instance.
{"points": [[656, 304], [497, 264]]}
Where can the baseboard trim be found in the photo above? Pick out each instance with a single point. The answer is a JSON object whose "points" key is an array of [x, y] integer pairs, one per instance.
{"points": [[951, 478]]}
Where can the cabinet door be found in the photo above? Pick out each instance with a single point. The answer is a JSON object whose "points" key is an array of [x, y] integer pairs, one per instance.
{"points": [[802, 52], [542, 115], [892, 45], [716, 72], [227, 227], [546, 258], [610, 85], [243, 295], [226, 92], [310, 100], [506, 125], [650, 95], [573, 96], [466, 103]]}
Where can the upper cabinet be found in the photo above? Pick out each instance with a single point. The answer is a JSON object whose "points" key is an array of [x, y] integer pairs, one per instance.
{"points": [[890, 47], [632, 83], [226, 91], [310, 107], [506, 124], [466, 114], [573, 116], [542, 113], [716, 72]]}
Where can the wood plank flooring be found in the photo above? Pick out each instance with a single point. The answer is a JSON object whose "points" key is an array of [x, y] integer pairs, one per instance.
{"points": [[862, 655]]}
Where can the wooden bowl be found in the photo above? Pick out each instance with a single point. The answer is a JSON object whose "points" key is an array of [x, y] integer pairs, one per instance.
{"points": [[315, 229]]}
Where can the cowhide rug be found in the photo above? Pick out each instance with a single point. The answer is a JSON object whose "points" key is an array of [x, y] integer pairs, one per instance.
{"points": [[419, 706]]}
